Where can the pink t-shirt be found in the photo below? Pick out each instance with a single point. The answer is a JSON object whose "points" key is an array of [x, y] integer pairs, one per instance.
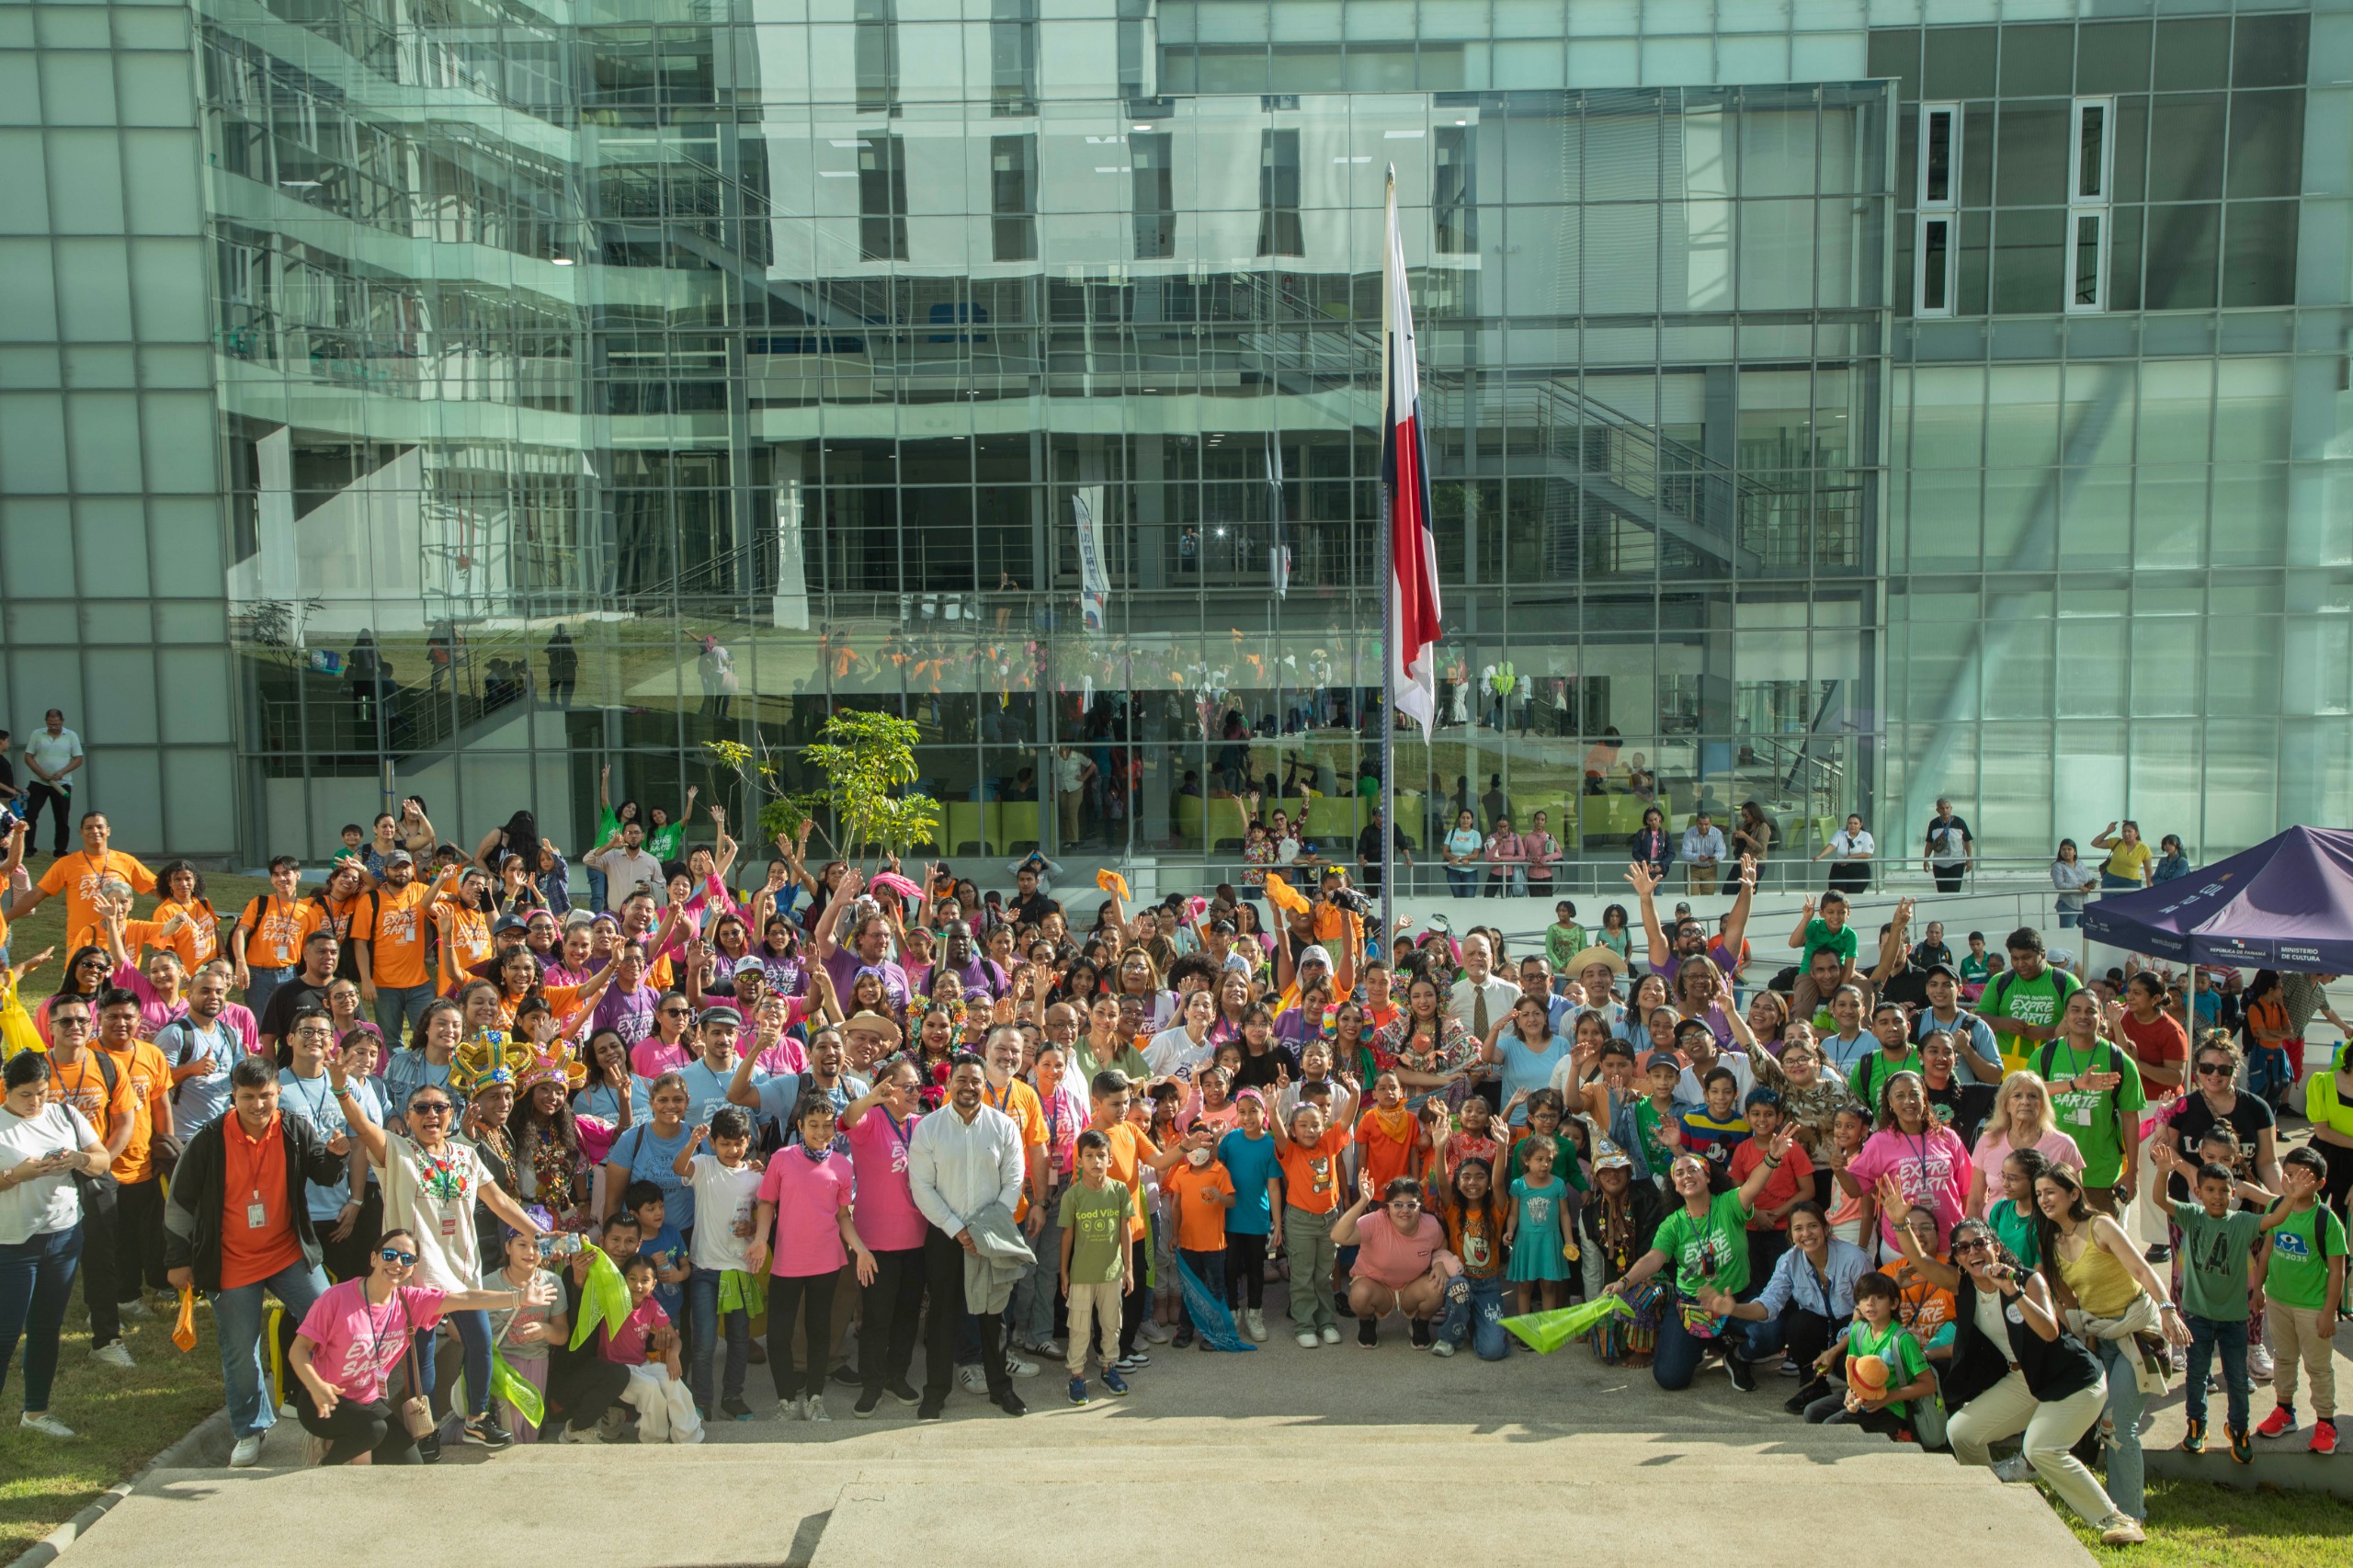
{"points": [[788, 1055], [240, 1017], [1992, 1148], [153, 1011], [1387, 1258], [885, 1213], [1932, 1169], [648, 1058], [358, 1342], [809, 1195], [628, 1347]]}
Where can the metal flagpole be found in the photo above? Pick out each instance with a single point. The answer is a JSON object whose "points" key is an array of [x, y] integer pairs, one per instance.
{"points": [[1388, 728]]}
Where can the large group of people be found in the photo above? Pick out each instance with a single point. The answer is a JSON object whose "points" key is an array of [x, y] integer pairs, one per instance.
{"points": [[1039, 1125]]}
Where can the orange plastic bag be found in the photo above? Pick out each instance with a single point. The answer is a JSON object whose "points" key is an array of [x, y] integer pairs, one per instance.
{"points": [[184, 1326]]}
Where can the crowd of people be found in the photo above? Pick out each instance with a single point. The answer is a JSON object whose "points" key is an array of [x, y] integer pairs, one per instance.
{"points": [[1054, 1126]]}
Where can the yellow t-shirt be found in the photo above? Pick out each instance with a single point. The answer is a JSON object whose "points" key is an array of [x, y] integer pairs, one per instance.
{"points": [[2127, 861]]}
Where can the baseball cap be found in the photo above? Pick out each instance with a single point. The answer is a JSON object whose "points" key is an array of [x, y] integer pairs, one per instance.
{"points": [[510, 922], [400, 858], [1944, 968]]}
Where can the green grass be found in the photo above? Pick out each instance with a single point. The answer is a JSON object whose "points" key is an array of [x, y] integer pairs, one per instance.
{"points": [[121, 1419], [2194, 1524]]}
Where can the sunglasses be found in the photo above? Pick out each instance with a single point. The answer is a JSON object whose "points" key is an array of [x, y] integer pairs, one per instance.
{"points": [[394, 1254], [430, 1108], [1405, 1203], [2213, 1068], [1975, 1244], [674, 1012]]}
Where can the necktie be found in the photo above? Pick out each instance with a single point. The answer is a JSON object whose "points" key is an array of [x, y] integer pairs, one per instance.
{"points": [[1479, 1013]]}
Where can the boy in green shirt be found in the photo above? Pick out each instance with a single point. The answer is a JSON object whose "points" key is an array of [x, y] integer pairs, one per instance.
{"points": [[2217, 1241], [1876, 1332], [1094, 1216], [2304, 1279]]}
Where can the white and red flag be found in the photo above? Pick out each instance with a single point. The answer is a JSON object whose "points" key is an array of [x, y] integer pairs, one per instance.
{"points": [[1405, 472]]}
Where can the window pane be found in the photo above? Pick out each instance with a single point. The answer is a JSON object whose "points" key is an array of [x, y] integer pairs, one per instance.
{"points": [[2028, 268], [2182, 245]]}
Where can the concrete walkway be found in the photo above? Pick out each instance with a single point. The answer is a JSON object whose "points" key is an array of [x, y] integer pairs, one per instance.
{"points": [[1329, 1453]]}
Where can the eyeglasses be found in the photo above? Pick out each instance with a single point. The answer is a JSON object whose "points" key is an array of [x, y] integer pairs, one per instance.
{"points": [[2213, 1068], [1405, 1203], [431, 1107], [394, 1254]]}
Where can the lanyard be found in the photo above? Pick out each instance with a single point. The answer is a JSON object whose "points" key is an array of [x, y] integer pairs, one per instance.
{"points": [[898, 1129]]}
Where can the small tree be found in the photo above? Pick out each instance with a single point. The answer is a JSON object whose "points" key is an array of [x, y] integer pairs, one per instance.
{"points": [[863, 758]]}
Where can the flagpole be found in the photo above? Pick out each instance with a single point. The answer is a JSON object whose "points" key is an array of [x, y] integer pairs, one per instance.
{"points": [[1388, 620]]}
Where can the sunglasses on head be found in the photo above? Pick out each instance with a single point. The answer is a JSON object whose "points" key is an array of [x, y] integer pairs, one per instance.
{"points": [[394, 1254]]}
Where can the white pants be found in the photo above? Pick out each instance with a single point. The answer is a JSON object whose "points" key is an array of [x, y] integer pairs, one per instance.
{"points": [[2007, 1409], [665, 1411]]}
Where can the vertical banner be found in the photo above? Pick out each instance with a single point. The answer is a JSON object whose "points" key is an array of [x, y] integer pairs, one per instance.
{"points": [[1094, 579]]}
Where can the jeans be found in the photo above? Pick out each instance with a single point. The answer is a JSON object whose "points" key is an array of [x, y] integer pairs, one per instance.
{"points": [[1949, 876], [36, 1282], [2125, 1466], [2206, 1336], [399, 1009], [596, 891], [239, 1316], [1676, 1359], [1797, 1332], [264, 982], [702, 1310], [1474, 1311], [474, 1337], [1462, 881], [1511, 882], [139, 1239]]}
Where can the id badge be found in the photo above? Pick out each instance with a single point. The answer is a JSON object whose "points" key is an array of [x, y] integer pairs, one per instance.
{"points": [[2081, 1115], [254, 1218], [448, 1224]]}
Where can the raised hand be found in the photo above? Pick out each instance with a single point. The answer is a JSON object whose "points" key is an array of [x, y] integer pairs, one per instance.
{"points": [[1641, 878]]}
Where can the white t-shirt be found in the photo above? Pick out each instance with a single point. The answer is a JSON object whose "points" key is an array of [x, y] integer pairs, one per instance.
{"points": [[46, 1203], [435, 1198], [1173, 1054], [1847, 846], [722, 1198], [52, 753]]}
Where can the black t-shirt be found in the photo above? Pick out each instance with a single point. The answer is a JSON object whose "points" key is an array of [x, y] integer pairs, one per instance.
{"points": [[8, 777], [1963, 1107], [1928, 955], [1948, 851], [1369, 843], [1033, 910], [278, 1015], [1906, 984], [1259, 1072], [2192, 1115]]}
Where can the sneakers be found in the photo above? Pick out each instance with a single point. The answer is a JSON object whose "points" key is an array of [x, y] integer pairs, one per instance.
{"points": [[795, 1409], [2323, 1438], [2193, 1437], [137, 1309], [45, 1423], [1367, 1333], [1736, 1367], [1331, 1334], [1184, 1336], [115, 1355], [2259, 1364], [1790, 1368], [1133, 1361], [1418, 1330], [489, 1431], [1254, 1323], [579, 1435], [428, 1448], [2241, 1448], [1307, 1340], [1078, 1391], [2120, 1529], [1808, 1391], [1158, 1332], [848, 1376], [1443, 1347], [1045, 1349], [974, 1379], [814, 1408], [899, 1390], [247, 1452], [2016, 1468], [1019, 1368], [735, 1409], [2279, 1423], [1116, 1384], [2159, 1253], [928, 1410]]}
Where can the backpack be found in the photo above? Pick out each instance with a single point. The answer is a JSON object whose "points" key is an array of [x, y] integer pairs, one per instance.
{"points": [[2050, 1053]]}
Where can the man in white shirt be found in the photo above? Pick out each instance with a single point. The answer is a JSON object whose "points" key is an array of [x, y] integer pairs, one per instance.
{"points": [[1703, 848], [52, 756], [626, 865], [963, 1158], [1481, 1000]]}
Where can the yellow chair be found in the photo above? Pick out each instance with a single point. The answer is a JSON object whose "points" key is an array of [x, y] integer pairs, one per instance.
{"points": [[1410, 816], [1189, 820], [1228, 821], [1017, 823], [969, 826]]}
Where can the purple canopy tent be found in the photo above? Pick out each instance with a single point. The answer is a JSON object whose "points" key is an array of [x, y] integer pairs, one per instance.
{"points": [[2285, 903]]}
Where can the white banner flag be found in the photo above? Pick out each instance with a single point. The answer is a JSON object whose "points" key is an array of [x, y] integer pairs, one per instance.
{"points": [[1094, 578]]}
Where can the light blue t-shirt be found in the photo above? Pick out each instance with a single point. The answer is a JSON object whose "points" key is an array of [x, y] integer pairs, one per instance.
{"points": [[313, 1100], [1251, 1163], [647, 1156], [1529, 1069], [199, 1101]]}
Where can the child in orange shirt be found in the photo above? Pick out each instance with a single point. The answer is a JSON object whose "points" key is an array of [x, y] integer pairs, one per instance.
{"points": [[1390, 1142], [1310, 1153], [1199, 1191]]}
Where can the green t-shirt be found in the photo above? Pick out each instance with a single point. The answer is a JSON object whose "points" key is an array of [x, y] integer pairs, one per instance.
{"points": [[1562, 943], [1872, 1073], [1656, 1154], [1712, 1251], [663, 842], [2036, 1001], [1905, 1360], [2296, 1272], [2214, 1261], [1564, 1161], [1819, 935], [2090, 1119], [1098, 1222], [2016, 1231]]}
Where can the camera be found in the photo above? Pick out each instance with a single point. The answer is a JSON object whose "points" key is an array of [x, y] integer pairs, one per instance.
{"points": [[1353, 902]]}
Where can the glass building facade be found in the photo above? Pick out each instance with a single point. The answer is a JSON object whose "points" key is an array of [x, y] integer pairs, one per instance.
{"points": [[1835, 404]]}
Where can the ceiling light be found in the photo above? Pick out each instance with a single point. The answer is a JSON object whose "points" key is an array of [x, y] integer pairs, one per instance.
{"points": [[563, 261]]}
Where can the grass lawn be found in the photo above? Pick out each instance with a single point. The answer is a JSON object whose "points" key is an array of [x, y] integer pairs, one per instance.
{"points": [[2193, 1524], [121, 1419]]}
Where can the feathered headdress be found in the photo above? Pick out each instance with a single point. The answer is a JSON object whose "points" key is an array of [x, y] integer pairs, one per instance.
{"points": [[490, 1057]]}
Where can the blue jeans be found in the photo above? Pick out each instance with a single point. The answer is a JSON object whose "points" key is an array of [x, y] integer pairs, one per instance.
{"points": [[703, 1314], [596, 891], [399, 1009], [2206, 1336], [1678, 1357], [36, 1283], [264, 981], [238, 1315], [1463, 881], [473, 1335], [2125, 1466], [1474, 1311], [2110, 882]]}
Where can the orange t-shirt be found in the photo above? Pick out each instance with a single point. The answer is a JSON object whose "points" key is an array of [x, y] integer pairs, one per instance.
{"points": [[275, 929], [1020, 1101], [1312, 1172], [254, 1172], [1200, 1224], [390, 920], [465, 942], [77, 876], [1130, 1145], [198, 941], [82, 1086], [148, 1079], [1383, 1157]]}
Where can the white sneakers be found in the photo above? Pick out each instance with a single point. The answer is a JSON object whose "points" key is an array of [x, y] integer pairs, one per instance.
{"points": [[1307, 1340], [47, 1426], [2120, 1529], [1331, 1335], [1019, 1368], [115, 1355], [2014, 1468], [792, 1409], [137, 1309], [1254, 1323], [247, 1453], [814, 1407], [1157, 1331]]}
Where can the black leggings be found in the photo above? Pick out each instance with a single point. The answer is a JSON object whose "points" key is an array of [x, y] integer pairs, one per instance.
{"points": [[374, 1429], [2339, 1182], [813, 1294], [1245, 1268], [1136, 1303]]}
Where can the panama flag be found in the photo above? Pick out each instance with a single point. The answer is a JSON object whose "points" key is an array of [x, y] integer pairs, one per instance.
{"points": [[1413, 548]]}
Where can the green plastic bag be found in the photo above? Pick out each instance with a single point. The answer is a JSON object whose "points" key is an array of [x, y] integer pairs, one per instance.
{"points": [[603, 1300], [1547, 1332], [508, 1384]]}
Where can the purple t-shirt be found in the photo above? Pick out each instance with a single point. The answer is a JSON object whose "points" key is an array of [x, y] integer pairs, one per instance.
{"points": [[1933, 1171], [843, 965], [631, 1012]]}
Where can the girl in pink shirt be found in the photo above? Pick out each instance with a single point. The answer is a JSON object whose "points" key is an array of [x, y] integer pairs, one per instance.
{"points": [[805, 1202]]}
